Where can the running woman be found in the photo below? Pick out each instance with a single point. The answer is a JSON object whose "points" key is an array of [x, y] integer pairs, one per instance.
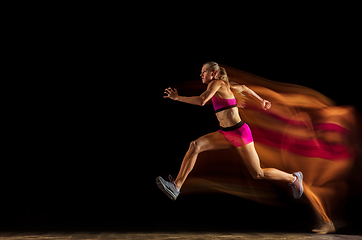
{"points": [[233, 133]]}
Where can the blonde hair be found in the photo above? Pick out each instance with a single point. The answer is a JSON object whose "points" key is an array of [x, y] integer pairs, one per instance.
{"points": [[222, 75], [221, 72]]}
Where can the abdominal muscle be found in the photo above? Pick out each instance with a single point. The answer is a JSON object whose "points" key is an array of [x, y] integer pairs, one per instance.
{"points": [[228, 117]]}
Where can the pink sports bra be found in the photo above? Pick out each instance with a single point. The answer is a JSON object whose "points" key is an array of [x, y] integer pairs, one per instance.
{"points": [[221, 104]]}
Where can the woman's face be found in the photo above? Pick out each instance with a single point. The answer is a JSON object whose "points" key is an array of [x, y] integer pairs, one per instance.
{"points": [[207, 75]]}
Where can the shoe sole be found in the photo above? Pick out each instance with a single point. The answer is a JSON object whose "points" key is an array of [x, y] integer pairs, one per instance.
{"points": [[164, 189], [300, 178]]}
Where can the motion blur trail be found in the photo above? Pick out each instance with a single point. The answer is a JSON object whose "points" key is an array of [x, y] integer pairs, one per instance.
{"points": [[303, 131]]}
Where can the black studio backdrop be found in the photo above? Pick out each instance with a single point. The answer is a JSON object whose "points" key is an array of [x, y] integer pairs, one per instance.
{"points": [[91, 130]]}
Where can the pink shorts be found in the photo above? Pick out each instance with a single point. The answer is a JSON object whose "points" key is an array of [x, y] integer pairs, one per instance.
{"points": [[237, 135]]}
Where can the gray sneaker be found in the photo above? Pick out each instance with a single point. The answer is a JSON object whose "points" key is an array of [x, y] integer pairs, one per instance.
{"points": [[169, 188], [297, 185]]}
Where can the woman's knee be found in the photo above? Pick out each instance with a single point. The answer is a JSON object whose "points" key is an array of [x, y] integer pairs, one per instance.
{"points": [[258, 174], [195, 146]]}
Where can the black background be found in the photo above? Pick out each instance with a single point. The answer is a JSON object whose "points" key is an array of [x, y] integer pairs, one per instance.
{"points": [[90, 130]]}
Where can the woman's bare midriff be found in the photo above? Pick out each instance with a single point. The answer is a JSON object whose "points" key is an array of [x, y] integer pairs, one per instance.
{"points": [[228, 117]]}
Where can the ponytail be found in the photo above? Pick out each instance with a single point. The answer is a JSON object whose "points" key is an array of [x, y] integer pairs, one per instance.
{"points": [[222, 75], [221, 72]]}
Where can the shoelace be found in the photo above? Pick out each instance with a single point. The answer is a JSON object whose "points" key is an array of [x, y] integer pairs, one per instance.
{"points": [[172, 182], [170, 178]]}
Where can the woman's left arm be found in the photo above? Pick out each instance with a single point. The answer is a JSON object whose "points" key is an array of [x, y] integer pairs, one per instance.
{"points": [[265, 104]]}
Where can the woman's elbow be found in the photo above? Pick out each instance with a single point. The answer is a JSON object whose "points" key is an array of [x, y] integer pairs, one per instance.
{"points": [[203, 102]]}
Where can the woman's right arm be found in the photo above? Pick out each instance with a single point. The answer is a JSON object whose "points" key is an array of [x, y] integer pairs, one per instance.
{"points": [[201, 100], [173, 94]]}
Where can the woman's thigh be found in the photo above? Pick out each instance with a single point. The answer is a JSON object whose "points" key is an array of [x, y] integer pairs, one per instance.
{"points": [[212, 141]]}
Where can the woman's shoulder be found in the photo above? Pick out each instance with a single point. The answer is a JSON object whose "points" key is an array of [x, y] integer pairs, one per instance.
{"points": [[218, 82], [224, 90]]}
